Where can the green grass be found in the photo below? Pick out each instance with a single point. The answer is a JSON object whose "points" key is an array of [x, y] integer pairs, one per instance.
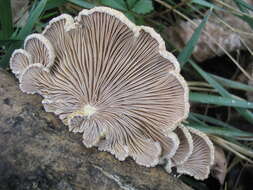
{"points": [[214, 90], [6, 20]]}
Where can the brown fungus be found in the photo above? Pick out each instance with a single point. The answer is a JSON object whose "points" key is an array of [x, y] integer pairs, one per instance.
{"points": [[202, 157], [19, 61], [112, 81], [185, 147]]}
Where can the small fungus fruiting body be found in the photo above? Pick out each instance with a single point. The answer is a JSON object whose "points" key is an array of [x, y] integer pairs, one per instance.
{"points": [[115, 83]]}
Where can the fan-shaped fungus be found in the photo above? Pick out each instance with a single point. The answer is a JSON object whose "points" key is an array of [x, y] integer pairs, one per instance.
{"points": [[111, 80]]}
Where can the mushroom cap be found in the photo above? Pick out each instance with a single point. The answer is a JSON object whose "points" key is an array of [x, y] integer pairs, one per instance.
{"points": [[185, 147], [40, 49], [28, 82], [19, 61], [110, 80], [183, 151], [202, 157]]}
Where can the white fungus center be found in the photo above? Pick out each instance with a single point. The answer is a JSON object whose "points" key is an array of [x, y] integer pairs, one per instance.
{"points": [[89, 110]]}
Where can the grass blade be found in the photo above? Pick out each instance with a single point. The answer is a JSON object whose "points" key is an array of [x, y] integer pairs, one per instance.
{"points": [[213, 121], [219, 100], [213, 130], [207, 4], [244, 112], [244, 8], [6, 27], [188, 49], [233, 148], [6, 42], [51, 4], [232, 84], [242, 5], [33, 18]]}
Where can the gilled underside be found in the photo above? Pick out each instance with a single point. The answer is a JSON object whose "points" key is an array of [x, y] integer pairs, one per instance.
{"points": [[112, 81]]}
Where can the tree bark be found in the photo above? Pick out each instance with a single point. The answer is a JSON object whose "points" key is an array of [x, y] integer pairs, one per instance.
{"points": [[38, 153]]}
